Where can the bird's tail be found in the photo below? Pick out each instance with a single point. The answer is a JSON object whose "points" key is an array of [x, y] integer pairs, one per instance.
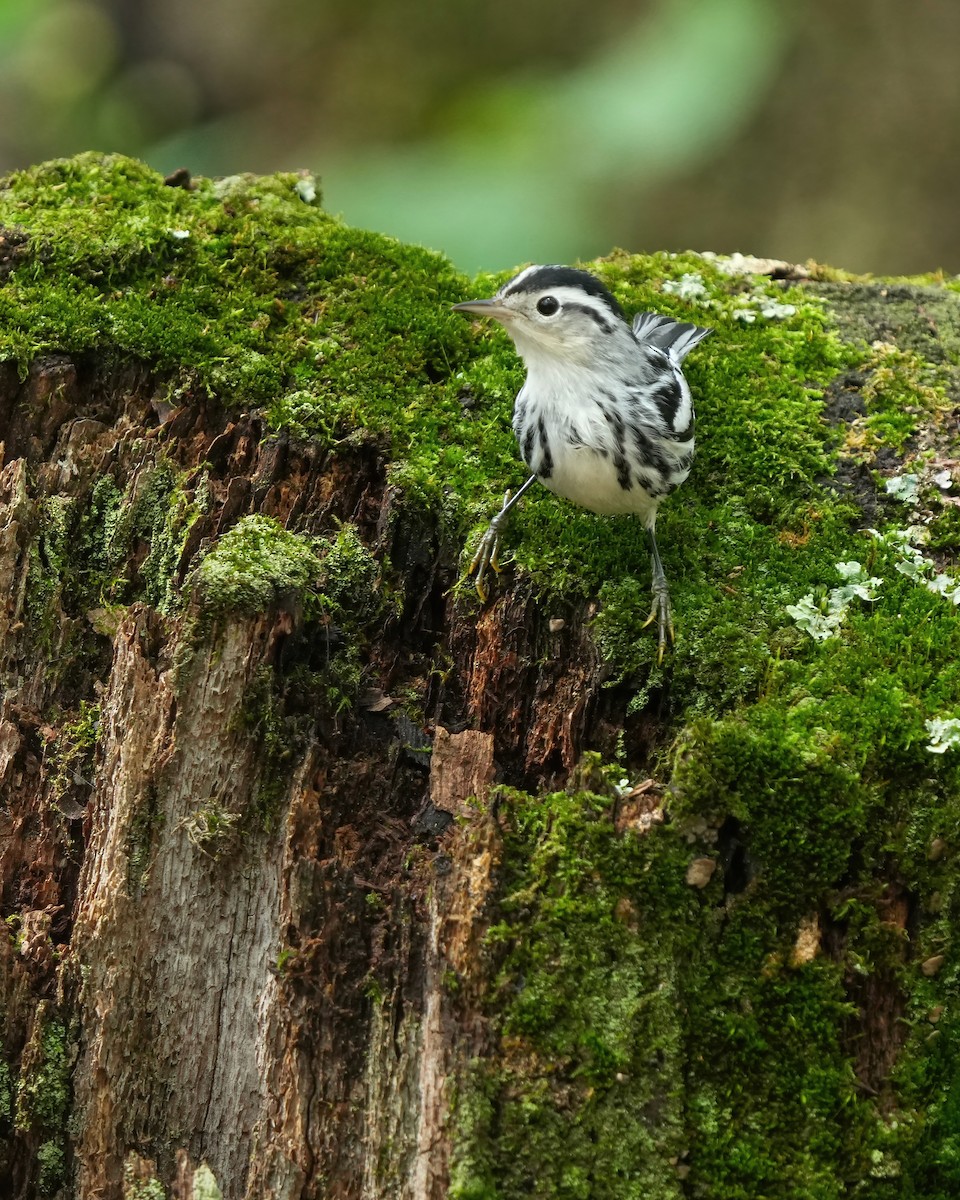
{"points": [[676, 338]]}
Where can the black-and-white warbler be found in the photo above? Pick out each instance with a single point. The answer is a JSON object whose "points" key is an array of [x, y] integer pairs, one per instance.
{"points": [[605, 416]]}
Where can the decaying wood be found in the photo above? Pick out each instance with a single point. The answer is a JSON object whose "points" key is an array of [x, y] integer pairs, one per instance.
{"points": [[277, 1010], [265, 964]]}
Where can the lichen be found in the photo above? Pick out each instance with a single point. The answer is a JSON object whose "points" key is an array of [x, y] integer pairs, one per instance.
{"points": [[211, 827], [205, 1186]]}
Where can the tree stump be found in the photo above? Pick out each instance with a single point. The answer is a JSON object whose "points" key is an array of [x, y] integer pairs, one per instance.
{"points": [[322, 879]]}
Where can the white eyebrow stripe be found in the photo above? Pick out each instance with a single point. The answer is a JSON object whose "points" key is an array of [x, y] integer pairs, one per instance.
{"points": [[516, 283]]}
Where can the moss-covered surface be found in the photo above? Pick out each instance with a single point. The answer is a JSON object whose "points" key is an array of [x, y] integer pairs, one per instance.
{"points": [[798, 1013], [254, 566], [790, 1029], [43, 1099]]}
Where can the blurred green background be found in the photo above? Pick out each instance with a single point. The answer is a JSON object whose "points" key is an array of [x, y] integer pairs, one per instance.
{"points": [[502, 131]]}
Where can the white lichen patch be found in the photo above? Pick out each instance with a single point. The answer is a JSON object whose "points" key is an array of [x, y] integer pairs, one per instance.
{"points": [[910, 561], [822, 618], [944, 734], [688, 287]]}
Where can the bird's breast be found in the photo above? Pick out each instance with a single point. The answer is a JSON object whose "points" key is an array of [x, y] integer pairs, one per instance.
{"points": [[593, 451], [591, 479]]}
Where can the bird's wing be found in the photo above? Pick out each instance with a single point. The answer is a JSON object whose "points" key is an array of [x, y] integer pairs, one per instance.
{"points": [[676, 338], [661, 399]]}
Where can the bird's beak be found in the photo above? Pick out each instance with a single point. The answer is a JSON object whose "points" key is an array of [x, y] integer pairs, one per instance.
{"points": [[483, 308]]}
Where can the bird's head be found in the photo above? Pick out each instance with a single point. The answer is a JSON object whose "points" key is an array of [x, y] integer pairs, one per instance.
{"points": [[554, 313]]}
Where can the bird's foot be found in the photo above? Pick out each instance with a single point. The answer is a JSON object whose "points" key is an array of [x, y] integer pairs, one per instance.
{"points": [[488, 552], [663, 615]]}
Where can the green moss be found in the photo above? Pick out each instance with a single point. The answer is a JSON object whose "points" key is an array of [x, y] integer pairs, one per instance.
{"points": [[43, 1092], [263, 717], [585, 1100], [138, 1187], [237, 285], [81, 567], [655, 1039], [902, 389], [944, 531], [351, 579], [801, 797], [6, 1093], [337, 584], [920, 315], [72, 759], [255, 564], [43, 1098], [345, 330], [160, 514], [280, 709], [51, 1168], [141, 839], [73, 555]]}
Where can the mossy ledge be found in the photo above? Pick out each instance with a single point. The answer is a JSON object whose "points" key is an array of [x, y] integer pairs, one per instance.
{"points": [[721, 960]]}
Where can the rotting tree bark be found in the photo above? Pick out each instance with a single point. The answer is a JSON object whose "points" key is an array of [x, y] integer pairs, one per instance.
{"points": [[303, 938], [190, 1041]]}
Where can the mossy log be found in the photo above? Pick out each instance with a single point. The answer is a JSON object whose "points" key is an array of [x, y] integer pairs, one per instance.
{"points": [[322, 879]]}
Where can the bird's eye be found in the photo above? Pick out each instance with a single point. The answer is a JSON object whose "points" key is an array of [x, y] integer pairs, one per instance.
{"points": [[547, 306]]}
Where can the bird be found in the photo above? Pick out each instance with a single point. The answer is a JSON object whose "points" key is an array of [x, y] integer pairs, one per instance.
{"points": [[604, 417]]}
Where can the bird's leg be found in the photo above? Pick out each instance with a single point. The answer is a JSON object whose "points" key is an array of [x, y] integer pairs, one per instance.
{"points": [[488, 551], [660, 611]]}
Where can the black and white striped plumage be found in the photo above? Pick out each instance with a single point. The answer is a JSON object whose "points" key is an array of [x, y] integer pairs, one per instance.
{"points": [[605, 417]]}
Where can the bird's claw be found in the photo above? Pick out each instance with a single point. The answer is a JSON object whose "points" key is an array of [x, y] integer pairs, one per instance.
{"points": [[487, 555], [488, 552], [662, 614]]}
